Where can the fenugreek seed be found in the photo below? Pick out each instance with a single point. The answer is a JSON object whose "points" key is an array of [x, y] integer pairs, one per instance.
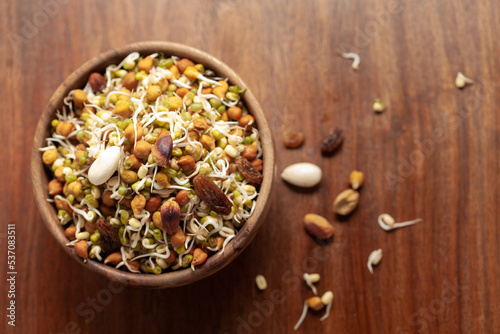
{"points": [[261, 282]]}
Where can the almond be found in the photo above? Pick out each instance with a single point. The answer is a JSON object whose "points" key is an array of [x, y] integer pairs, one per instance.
{"points": [[114, 258], [170, 217], [318, 226]]}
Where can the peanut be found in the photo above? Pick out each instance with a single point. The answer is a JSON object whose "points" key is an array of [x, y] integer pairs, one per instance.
{"points": [[81, 248], [207, 142], [182, 197], [70, 232], [178, 238], [318, 226], [50, 156], [247, 121], [106, 210], [142, 149], [138, 203], [107, 200], [55, 187], [127, 202], [114, 258], [153, 203], [130, 132], [63, 205], [172, 258], [136, 164], [257, 163], [157, 219], [250, 152], [187, 163], [134, 265], [346, 202], [199, 257]]}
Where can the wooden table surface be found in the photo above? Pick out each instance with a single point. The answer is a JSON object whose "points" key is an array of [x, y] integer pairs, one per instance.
{"points": [[432, 154]]}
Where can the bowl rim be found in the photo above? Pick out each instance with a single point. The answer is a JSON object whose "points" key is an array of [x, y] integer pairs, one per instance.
{"points": [[215, 262]]}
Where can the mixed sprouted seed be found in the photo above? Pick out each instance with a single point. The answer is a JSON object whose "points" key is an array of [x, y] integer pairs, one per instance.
{"points": [[157, 164]]}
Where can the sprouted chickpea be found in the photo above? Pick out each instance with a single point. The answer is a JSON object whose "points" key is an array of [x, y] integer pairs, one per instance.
{"points": [[145, 98]]}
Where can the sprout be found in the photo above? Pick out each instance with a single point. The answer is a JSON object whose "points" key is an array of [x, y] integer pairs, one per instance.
{"points": [[461, 80], [387, 223], [374, 259], [378, 106], [353, 56]]}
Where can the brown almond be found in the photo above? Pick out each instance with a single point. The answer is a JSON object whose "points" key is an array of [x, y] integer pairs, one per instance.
{"points": [[162, 150]]}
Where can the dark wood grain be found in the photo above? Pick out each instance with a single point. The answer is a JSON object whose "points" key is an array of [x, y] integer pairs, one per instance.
{"points": [[432, 154]]}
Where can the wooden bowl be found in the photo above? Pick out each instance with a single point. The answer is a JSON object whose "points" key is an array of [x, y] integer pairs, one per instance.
{"points": [[40, 175]]}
